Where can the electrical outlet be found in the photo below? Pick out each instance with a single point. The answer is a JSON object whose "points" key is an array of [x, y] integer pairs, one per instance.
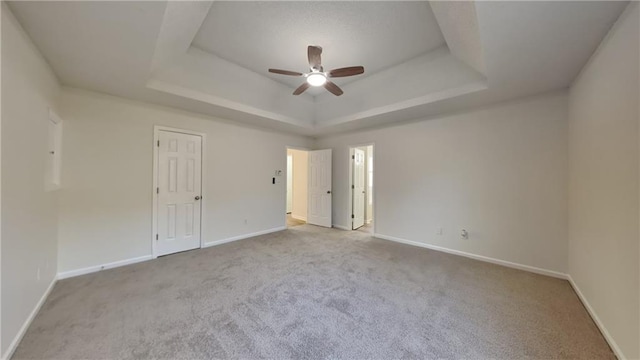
{"points": [[246, 221], [464, 234], [439, 231]]}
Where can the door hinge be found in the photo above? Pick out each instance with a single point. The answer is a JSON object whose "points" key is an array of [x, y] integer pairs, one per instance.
{"points": [[158, 143], [352, 216], [157, 190], [156, 236], [353, 186], [353, 157]]}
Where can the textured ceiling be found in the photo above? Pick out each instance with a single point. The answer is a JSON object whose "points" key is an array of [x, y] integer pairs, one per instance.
{"points": [[459, 21], [212, 57], [262, 35]]}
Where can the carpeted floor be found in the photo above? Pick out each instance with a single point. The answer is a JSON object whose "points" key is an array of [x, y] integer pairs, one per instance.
{"points": [[367, 228], [313, 293], [291, 222]]}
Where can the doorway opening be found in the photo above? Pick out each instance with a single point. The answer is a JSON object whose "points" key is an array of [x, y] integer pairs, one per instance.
{"points": [[297, 187], [361, 187]]}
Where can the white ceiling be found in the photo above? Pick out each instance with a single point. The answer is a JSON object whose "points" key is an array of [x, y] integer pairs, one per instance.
{"points": [[262, 35], [97, 44], [211, 57]]}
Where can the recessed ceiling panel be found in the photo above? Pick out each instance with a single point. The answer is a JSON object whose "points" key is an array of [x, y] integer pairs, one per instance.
{"points": [[262, 35]]}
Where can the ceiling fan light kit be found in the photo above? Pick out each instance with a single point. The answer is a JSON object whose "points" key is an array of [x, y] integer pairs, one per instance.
{"points": [[316, 79], [317, 76]]}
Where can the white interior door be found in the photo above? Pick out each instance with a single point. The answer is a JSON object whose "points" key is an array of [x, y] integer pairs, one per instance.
{"points": [[319, 204], [179, 192], [358, 188]]}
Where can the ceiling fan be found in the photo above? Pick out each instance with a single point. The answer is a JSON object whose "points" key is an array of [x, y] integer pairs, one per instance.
{"points": [[317, 76]]}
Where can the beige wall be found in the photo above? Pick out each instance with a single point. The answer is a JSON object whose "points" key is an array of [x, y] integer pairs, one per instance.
{"points": [[106, 200], [300, 183], [604, 184], [499, 172], [29, 212]]}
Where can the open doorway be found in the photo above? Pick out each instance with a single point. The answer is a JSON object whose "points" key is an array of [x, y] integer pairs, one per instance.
{"points": [[361, 183], [297, 186]]}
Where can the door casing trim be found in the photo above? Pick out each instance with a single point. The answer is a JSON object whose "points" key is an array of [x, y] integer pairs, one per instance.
{"points": [[350, 180]]}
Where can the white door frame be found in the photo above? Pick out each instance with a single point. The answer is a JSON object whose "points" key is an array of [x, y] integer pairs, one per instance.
{"points": [[364, 203], [289, 184], [350, 191], [286, 153], [203, 201]]}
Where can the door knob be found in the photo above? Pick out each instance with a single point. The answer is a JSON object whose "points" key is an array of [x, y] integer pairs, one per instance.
{"points": [[328, 191], [198, 198]]}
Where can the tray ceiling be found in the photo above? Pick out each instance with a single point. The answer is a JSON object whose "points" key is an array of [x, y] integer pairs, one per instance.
{"points": [[421, 59], [262, 35]]}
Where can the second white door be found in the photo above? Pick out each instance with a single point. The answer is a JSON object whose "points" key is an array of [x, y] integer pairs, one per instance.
{"points": [[358, 188], [319, 204], [179, 192]]}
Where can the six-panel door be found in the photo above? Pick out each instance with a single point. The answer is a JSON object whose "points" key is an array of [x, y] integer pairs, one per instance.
{"points": [[179, 192], [319, 204]]}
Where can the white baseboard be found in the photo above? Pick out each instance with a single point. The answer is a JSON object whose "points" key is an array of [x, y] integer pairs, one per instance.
{"points": [[23, 330], [111, 265], [510, 264], [245, 236], [115, 264], [67, 274], [596, 319], [301, 218]]}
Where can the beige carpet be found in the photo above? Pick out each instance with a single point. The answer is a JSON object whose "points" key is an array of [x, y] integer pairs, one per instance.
{"points": [[313, 293], [291, 222], [367, 228]]}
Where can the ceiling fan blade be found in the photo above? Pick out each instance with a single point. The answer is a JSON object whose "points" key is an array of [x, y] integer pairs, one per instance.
{"points": [[301, 88], [313, 52], [347, 71], [333, 88], [285, 72]]}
